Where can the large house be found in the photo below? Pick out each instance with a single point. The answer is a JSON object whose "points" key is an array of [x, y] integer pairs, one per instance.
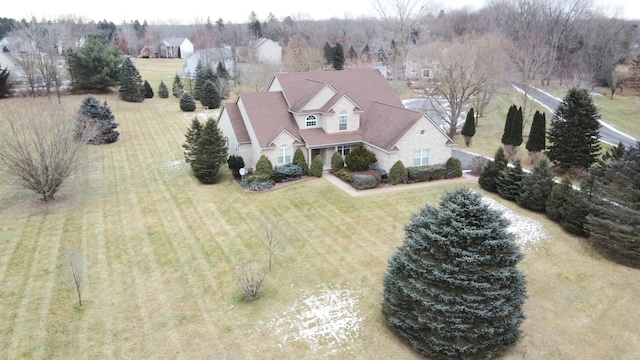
{"points": [[176, 48], [328, 111], [266, 51], [422, 62]]}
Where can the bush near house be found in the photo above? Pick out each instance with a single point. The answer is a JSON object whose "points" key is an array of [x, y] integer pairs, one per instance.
{"points": [[426, 173], [363, 181], [316, 166], [398, 174], [263, 167], [453, 168], [286, 173], [337, 162]]}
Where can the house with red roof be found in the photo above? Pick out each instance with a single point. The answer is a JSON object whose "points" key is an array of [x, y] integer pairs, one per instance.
{"points": [[328, 111]]}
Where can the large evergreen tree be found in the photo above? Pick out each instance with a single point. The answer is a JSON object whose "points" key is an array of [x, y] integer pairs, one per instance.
{"points": [[327, 52], [337, 57], [614, 212], [515, 131], [492, 170], [191, 140], [453, 289], [95, 66], [469, 127], [508, 123], [221, 71], [537, 134], [210, 153], [536, 187], [177, 87], [509, 183], [557, 198], [131, 85], [574, 132], [209, 95], [92, 114]]}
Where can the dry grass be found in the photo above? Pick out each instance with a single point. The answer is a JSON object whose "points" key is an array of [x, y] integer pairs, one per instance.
{"points": [[161, 251]]}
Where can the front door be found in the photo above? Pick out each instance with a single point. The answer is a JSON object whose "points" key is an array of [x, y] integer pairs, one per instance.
{"points": [[314, 153]]}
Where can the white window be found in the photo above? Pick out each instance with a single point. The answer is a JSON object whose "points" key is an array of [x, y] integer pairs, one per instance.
{"points": [[284, 154], [311, 121], [421, 157], [344, 150], [343, 120]]}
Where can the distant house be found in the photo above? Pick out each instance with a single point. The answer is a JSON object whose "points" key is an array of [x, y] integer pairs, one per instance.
{"points": [[422, 62], [209, 57], [266, 51], [328, 111], [8, 59], [176, 48]]}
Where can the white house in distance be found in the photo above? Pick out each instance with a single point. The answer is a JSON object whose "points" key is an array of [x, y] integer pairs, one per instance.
{"points": [[422, 62], [266, 51], [176, 48], [328, 111]]}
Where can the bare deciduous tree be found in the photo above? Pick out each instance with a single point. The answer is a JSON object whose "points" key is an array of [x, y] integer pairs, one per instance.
{"points": [[274, 238], [75, 271], [38, 145], [251, 277]]}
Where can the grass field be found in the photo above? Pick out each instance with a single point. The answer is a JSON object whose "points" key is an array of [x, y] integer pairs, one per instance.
{"points": [[161, 251]]}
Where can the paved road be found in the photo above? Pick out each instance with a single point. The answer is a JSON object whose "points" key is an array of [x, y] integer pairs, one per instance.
{"points": [[607, 132]]}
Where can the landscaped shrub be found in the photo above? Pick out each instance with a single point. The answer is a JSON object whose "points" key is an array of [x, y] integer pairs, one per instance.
{"points": [[477, 163], [316, 166], [360, 158], [235, 162], [263, 167], [257, 183], [344, 174], [426, 173], [382, 172], [398, 173], [454, 168], [337, 162], [298, 159], [285, 173], [148, 91], [364, 181], [163, 92]]}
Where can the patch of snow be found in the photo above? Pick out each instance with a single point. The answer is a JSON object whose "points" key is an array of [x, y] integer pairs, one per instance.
{"points": [[327, 319], [528, 232]]}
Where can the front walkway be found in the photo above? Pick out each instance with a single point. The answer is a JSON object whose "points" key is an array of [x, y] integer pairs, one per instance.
{"points": [[466, 178]]}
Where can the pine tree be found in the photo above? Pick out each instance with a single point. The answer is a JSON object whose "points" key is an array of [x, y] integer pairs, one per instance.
{"points": [[508, 124], [492, 170], [574, 132], [353, 55], [536, 187], [453, 289], [209, 95], [613, 222], [509, 183], [187, 103], [327, 51], [235, 162], [177, 87], [469, 127], [298, 159], [4, 81], [163, 92], [537, 134], [191, 140], [316, 166], [515, 131], [573, 213], [365, 53], [148, 91], [337, 57], [557, 198], [360, 158], [131, 86], [210, 153], [91, 113], [221, 71], [201, 77]]}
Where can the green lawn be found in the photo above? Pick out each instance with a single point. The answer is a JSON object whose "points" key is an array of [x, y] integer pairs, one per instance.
{"points": [[162, 249]]}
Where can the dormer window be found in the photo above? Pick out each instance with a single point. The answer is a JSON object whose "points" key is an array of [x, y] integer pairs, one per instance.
{"points": [[343, 121], [311, 121]]}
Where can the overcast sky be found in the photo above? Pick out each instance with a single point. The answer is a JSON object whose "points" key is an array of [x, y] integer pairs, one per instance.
{"points": [[188, 12]]}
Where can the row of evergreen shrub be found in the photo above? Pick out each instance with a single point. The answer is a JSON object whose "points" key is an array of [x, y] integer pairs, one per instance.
{"points": [[426, 173]]}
